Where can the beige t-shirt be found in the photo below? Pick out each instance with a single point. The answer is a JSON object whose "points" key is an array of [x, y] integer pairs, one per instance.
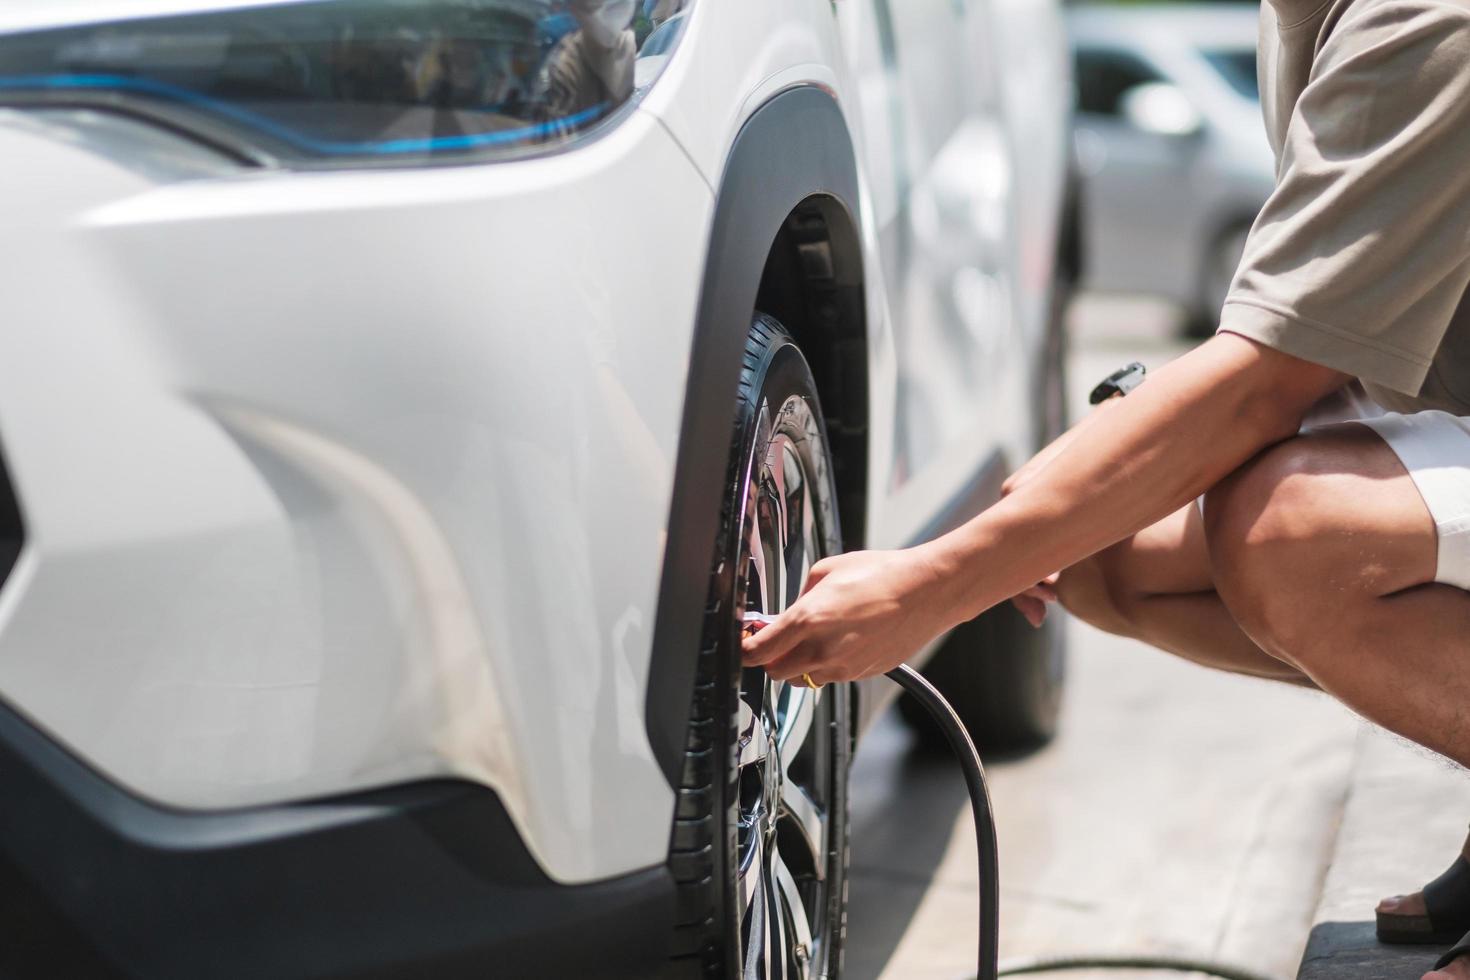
{"points": [[1360, 260]]}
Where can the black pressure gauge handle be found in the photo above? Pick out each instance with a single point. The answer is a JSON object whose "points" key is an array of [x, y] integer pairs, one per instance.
{"points": [[1120, 382]]}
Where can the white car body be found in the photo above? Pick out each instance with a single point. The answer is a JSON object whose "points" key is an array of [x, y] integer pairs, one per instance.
{"points": [[342, 479]]}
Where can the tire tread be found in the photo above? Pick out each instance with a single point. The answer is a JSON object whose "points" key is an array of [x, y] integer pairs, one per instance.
{"points": [[702, 835], [692, 858]]}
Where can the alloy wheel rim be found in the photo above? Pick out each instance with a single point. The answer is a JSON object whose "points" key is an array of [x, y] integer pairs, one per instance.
{"points": [[784, 753]]}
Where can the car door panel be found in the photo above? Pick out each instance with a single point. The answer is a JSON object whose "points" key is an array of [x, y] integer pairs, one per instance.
{"points": [[944, 260]]}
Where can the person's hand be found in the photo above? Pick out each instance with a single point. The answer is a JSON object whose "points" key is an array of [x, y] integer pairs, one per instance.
{"points": [[860, 614], [1034, 601]]}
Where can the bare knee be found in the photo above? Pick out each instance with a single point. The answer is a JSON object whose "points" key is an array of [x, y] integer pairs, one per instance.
{"points": [[1268, 526], [1099, 592]]}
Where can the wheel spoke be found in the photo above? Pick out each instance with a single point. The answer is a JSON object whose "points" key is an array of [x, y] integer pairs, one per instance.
{"points": [[807, 816], [752, 865], [798, 707], [758, 529], [796, 914], [752, 740], [755, 544], [796, 522], [775, 935], [773, 492], [780, 920], [758, 932]]}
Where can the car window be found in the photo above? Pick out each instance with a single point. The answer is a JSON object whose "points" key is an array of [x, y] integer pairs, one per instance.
{"points": [[1103, 77], [1238, 68]]}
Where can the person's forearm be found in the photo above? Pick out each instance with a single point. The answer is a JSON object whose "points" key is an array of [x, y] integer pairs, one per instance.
{"points": [[1175, 437], [1055, 448]]}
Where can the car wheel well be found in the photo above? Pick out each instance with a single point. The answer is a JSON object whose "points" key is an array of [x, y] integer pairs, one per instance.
{"points": [[812, 283]]}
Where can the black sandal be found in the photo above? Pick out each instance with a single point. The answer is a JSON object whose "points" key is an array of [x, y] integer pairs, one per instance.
{"points": [[1461, 948], [1447, 900]]}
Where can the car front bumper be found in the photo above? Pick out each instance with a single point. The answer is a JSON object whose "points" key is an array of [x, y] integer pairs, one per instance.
{"points": [[427, 879]]}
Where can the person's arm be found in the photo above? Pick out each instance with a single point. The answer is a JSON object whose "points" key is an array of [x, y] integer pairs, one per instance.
{"points": [[1032, 602], [1179, 434], [1053, 449]]}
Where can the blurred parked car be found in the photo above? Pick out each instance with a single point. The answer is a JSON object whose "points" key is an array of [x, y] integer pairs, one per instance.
{"points": [[1171, 149], [402, 404]]}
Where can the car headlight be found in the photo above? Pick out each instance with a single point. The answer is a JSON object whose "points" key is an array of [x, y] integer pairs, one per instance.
{"points": [[332, 82]]}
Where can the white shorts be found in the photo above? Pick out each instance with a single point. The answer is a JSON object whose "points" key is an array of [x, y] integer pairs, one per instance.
{"points": [[1435, 448]]}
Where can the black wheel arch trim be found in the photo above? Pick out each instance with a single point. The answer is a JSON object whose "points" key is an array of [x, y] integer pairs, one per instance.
{"points": [[794, 147], [421, 879]]}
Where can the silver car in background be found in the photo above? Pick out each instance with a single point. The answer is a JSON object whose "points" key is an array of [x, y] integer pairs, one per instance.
{"points": [[1172, 154]]}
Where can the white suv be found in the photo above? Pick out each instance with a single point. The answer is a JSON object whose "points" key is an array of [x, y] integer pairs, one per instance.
{"points": [[401, 402]]}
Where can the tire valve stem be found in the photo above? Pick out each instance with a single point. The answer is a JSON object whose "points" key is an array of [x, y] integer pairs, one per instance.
{"points": [[754, 622]]}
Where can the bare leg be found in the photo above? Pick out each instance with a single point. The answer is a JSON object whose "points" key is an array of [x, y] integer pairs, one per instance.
{"points": [[1159, 587], [1326, 555]]}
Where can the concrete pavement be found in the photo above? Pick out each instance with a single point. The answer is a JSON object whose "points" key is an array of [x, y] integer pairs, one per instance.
{"points": [[1404, 822]]}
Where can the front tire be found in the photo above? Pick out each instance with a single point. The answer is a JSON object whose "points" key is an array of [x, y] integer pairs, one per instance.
{"points": [[760, 839]]}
